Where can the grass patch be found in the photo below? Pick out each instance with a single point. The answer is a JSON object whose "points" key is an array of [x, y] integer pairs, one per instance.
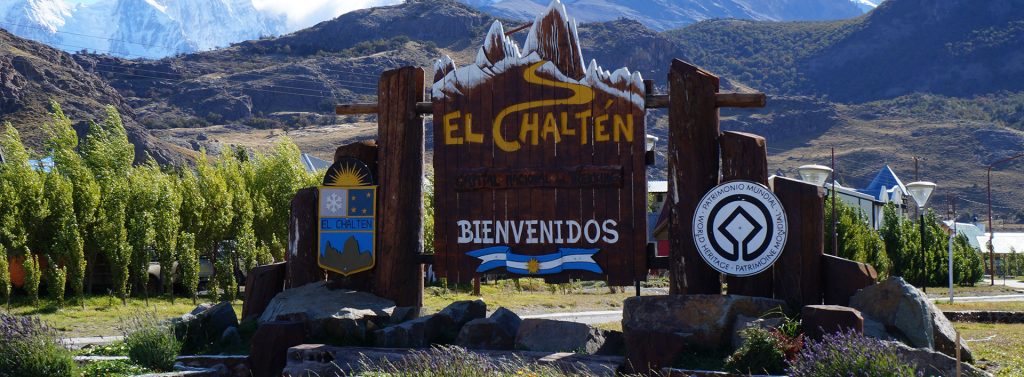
{"points": [[101, 316], [997, 347], [1009, 306], [113, 368], [980, 289], [531, 296]]}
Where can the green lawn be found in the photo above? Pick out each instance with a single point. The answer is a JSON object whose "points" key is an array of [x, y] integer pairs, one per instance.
{"points": [[981, 289], [102, 315], [997, 347], [532, 297], [1010, 306]]}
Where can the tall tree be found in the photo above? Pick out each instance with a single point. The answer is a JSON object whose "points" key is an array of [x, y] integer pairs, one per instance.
{"points": [[22, 209], [63, 142], [188, 262], [166, 222], [66, 248], [217, 213]]}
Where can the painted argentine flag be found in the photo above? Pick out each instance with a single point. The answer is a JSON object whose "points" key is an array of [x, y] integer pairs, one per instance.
{"points": [[565, 259]]}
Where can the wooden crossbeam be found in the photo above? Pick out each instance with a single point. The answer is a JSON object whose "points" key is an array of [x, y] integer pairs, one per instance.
{"points": [[658, 101]]}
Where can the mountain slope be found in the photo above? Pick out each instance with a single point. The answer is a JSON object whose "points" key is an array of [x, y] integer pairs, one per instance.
{"points": [[668, 14], [957, 48], [32, 75]]}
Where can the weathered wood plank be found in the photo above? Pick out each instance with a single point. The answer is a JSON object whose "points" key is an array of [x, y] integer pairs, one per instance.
{"points": [[745, 157], [302, 248], [798, 270], [399, 275], [653, 101], [693, 170]]}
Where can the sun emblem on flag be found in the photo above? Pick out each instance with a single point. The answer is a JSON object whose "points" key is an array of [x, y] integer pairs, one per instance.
{"points": [[333, 202], [533, 266]]}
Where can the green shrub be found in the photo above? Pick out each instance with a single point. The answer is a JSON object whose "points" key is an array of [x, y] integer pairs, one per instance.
{"points": [[226, 279], [849, 354], [112, 368], [116, 349], [5, 276], [56, 279], [188, 262], [151, 345], [761, 353], [32, 277], [30, 348]]}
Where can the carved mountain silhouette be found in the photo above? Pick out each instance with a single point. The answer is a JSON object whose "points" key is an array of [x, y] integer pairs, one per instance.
{"points": [[350, 257]]}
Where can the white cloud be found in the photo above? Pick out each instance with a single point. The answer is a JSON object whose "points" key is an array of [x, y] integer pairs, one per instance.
{"points": [[305, 13]]}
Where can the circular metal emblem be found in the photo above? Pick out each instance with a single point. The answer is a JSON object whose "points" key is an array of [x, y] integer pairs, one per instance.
{"points": [[740, 228]]}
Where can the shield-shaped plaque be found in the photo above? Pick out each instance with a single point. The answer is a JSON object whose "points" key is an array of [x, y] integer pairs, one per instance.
{"points": [[347, 219]]}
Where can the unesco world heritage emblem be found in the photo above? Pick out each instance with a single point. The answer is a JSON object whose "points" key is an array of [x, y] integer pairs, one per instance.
{"points": [[740, 228], [347, 218]]}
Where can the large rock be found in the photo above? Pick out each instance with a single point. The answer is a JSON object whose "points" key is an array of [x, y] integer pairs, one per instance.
{"points": [[498, 332], [657, 329], [931, 363], [705, 321], [261, 285], [819, 320], [908, 315], [270, 344], [550, 335], [440, 328], [843, 278], [342, 314], [204, 326]]}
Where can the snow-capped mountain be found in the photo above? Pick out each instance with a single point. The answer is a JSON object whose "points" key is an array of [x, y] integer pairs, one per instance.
{"points": [[670, 14], [139, 28]]}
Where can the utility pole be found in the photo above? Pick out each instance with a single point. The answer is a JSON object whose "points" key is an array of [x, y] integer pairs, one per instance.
{"points": [[835, 234], [952, 236]]}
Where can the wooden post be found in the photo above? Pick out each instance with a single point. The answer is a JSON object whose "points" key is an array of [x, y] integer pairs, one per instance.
{"points": [[365, 151], [693, 170], [798, 270], [399, 274], [302, 266], [745, 157]]}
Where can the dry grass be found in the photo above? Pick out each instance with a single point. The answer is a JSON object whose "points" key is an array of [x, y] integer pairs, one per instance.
{"points": [[1011, 306], [997, 347], [534, 298], [102, 316]]}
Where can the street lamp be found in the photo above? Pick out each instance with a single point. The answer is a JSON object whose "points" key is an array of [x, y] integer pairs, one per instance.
{"points": [[920, 191], [814, 174], [991, 231], [817, 175]]}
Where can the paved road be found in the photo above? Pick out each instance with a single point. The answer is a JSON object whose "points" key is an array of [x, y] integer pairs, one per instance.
{"points": [[590, 318], [998, 298], [78, 343]]}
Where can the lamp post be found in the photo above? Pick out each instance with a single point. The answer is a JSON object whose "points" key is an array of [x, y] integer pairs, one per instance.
{"points": [[991, 231], [920, 191], [817, 174]]}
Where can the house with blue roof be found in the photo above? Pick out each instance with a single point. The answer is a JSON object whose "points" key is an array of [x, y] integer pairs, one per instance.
{"points": [[885, 188]]}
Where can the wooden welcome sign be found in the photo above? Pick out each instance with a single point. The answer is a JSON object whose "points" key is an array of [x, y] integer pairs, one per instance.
{"points": [[539, 161]]}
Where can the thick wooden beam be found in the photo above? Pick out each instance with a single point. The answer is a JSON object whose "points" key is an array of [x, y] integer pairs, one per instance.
{"points": [[745, 157], [302, 267], [798, 271], [399, 274], [653, 101], [693, 170]]}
